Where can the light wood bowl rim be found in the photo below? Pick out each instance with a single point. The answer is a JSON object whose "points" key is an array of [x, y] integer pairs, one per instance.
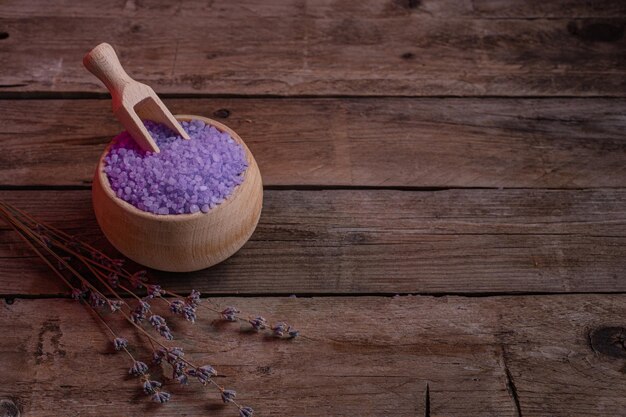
{"points": [[106, 186]]}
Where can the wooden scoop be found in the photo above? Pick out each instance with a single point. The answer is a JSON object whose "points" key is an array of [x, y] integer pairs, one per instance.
{"points": [[132, 101]]}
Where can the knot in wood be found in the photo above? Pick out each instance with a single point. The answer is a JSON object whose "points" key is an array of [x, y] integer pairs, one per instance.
{"points": [[9, 409], [610, 341], [221, 113]]}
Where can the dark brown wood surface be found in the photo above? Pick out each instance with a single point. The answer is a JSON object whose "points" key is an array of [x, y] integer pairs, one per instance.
{"points": [[368, 356], [470, 152], [393, 47], [380, 241], [390, 142]]}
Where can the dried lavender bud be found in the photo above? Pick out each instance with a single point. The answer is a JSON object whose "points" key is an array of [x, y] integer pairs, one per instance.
{"points": [[174, 354], [138, 368], [77, 294], [246, 412], [61, 265], [157, 356], [120, 343], [189, 312], [179, 372], [151, 387], [203, 373], [160, 326], [139, 314], [161, 397], [46, 241], [165, 332], [228, 395], [258, 323], [96, 256], [230, 313], [115, 305], [292, 333], [176, 306], [113, 279], [118, 263], [156, 320], [154, 290], [182, 379], [280, 329], [178, 369], [193, 299], [96, 300], [137, 279]]}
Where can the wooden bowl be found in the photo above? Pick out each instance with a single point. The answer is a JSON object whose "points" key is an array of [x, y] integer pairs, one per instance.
{"points": [[181, 242]]}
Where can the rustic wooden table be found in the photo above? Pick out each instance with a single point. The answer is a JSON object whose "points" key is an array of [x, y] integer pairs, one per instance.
{"points": [[445, 194]]}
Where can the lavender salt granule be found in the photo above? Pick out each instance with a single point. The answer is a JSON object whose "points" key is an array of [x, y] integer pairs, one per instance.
{"points": [[187, 176]]}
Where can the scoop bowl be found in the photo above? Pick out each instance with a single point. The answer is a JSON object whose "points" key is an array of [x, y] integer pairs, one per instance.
{"points": [[181, 242]]}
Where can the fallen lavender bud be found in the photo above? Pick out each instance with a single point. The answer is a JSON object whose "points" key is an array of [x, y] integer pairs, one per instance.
{"points": [[176, 306], [228, 395], [161, 397], [258, 323], [150, 387], [246, 412], [292, 332], [230, 313], [120, 343], [138, 368]]}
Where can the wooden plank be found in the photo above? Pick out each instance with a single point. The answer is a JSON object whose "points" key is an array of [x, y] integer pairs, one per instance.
{"points": [[365, 356], [565, 143], [200, 9], [368, 241], [314, 51]]}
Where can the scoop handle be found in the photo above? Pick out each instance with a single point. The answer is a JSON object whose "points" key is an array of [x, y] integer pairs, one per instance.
{"points": [[102, 61]]}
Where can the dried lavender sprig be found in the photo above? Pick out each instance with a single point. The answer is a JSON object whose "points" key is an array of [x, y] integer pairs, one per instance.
{"points": [[139, 367], [119, 343], [28, 234], [258, 322]]}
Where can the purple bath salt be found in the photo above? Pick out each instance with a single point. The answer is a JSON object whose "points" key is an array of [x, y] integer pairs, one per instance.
{"points": [[187, 176]]}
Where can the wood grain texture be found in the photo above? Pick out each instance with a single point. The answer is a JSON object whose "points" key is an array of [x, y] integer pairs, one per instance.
{"points": [[365, 356], [389, 142], [360, 241], [200, 9], [395, 47]]}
